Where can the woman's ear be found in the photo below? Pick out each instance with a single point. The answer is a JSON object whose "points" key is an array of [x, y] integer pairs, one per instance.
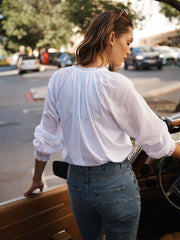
{"points": [[111, 38]]}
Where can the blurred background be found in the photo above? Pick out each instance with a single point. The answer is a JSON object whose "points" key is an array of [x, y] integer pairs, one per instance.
{"points": [[39, 37], [57, 26]]}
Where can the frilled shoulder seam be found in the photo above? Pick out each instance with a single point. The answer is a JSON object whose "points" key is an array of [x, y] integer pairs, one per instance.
{"points": [[91, 69]]}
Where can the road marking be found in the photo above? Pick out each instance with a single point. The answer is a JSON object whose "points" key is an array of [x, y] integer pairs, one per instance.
{"points": [[35, 99], [4, 124], [29, 97], [25, 111]]}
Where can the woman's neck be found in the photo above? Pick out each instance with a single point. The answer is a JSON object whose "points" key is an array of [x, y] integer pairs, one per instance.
{"points": [[98, 62]]}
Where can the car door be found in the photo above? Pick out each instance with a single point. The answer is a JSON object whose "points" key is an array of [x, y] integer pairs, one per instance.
{"points": [[42, 216]]}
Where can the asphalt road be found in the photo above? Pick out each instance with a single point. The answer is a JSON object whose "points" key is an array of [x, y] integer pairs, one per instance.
{"points": [[19, 116], [18, 119]]}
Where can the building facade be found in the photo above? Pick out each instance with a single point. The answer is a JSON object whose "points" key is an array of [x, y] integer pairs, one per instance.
{"points": [[170, 38]]}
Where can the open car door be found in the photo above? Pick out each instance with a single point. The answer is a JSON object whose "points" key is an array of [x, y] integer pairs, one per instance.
{"points": [[45, 216]]}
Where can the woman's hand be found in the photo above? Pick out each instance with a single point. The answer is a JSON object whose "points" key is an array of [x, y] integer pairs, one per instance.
{"points": [[37, 182], [176, 153], [33, 187]]}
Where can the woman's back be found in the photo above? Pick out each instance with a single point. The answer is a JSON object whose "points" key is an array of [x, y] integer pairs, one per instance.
{"points": [[86, 99]]}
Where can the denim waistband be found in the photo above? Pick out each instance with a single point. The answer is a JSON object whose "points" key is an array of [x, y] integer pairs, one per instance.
{"points": [[105, 167]]}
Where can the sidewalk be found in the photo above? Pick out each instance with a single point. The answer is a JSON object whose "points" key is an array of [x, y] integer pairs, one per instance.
{"points": [[38, 93], [162, 106]]}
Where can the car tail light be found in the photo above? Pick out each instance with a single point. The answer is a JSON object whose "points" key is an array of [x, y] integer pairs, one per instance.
{"points": [[36, 61]]}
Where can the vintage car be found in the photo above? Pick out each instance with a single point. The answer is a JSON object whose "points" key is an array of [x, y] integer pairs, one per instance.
{"points": [[48, 216]]}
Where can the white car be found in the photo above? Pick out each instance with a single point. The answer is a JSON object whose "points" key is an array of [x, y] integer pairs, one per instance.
{"points": [[26, 63], [175, 52], [167, 54]]}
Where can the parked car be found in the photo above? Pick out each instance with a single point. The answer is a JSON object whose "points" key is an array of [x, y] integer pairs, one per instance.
{"points": [[175, 52], [53, 57], [15, 57], [178, 60], [65, 60], [168, 55], [143, 57], [49, 216], [26, 62]]}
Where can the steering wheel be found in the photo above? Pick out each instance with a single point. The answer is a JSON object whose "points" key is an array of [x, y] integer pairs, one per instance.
{"points": [[173, 192]]}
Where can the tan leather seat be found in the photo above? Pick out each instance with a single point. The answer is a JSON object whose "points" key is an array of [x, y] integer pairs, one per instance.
{"points": [[171, 236]]}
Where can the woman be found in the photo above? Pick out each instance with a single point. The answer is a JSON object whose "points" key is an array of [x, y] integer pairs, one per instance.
{"points": [[94, 111]]}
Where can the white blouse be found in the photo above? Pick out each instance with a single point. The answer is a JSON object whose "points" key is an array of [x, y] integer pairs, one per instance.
{"points": [[91, 112]]}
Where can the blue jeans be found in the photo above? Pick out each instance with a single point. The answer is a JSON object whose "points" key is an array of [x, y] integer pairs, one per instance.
{"points": [[105, 200]]}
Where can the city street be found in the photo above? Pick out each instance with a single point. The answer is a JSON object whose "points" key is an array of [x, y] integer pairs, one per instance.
{"points": [[20, 113]]}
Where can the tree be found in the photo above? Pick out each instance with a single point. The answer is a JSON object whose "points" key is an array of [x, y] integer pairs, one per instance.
{"points": [[173, 3], [170, 9], [50, 22], [38, 23], [35, 23], [80, 12]]}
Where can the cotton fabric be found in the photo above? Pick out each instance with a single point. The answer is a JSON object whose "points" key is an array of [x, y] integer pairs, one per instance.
{"points": [[91, 113]]}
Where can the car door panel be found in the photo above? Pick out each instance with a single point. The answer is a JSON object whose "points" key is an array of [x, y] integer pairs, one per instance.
{"points": [[43, 216]]}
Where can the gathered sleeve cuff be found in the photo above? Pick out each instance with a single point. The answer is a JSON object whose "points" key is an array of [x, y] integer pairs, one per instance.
{"points": [[41, 156]]}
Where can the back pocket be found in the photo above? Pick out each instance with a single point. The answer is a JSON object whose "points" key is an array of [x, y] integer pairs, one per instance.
{"points": [[109, 196]]}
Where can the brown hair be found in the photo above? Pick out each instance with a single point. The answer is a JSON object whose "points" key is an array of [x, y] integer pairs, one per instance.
{"points": [[96, 36]]}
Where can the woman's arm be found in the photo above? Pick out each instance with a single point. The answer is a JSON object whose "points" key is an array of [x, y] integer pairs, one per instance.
{"points": [[176, 153], [48, 137], [37, 182]]}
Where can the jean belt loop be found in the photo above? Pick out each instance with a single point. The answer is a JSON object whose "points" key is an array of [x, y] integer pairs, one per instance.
{"points": [[121, 165], [125, 163]]}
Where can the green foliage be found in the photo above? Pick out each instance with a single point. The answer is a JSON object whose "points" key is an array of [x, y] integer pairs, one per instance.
{"points": [[169, 11], [81, 12], [35, 23], [38, 23]]}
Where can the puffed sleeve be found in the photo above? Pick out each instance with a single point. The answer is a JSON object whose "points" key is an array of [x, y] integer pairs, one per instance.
{"points": [[48, 135], [136, 118]]}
